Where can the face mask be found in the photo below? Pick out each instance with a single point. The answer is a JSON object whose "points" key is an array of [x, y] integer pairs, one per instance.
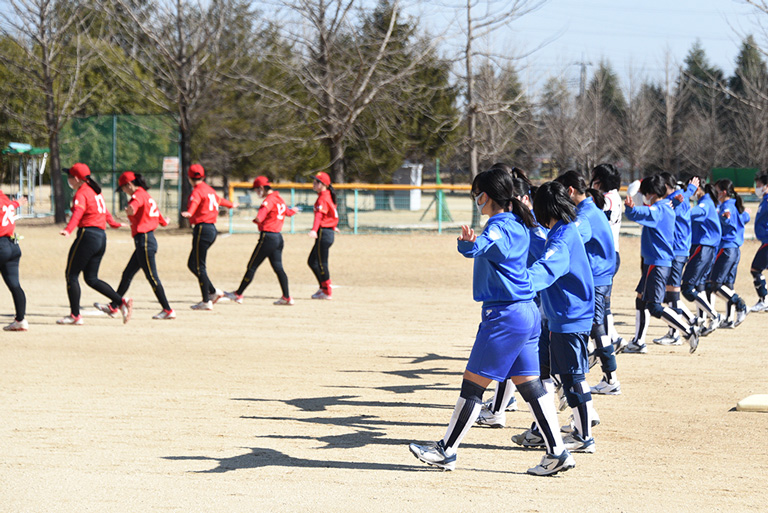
{"points": [[646, 199], [479, 206], [760, 191]]}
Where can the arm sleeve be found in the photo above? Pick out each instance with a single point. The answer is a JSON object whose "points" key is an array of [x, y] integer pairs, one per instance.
{"points": [[690, 191], [552, 265], [745, 217], [111, 221], [261, 215], [289, 212], [585, 229], [224, 202], [192, 203], [316, 223], [491, 244], [77, 213], [646, 216], [698, 214]]}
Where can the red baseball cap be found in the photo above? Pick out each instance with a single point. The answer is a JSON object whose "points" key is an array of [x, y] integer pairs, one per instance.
{"points": [[125, 178], [261, 181], [196, 172], [323, 178], [79, 170]]}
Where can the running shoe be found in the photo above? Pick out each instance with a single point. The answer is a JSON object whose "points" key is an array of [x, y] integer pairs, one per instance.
{"points": [[126, 309], [714, 323], [619, 345], [551, 464], [571, 426], [607, 388], [165, 314], [575, 443], [21, 325], [434, 454], [671, 338], [490, 419], [234, 296], [529, 438], [634, 347], [287, 301], [320, 294], [71, 319], [203, 305], [219, 295], [106, 308], [511, 406], [740, 316], [760, 306]]}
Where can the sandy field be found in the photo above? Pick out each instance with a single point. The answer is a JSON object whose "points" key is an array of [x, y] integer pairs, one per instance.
{"points": [[256, 407]]}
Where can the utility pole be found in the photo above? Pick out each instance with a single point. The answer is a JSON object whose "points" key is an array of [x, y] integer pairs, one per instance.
{"points": [[582, 75]]}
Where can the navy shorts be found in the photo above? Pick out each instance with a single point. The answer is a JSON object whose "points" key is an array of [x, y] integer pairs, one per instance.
{"points": [[699, 265], [653, 283], [602, 292], [568, 353], [507, 342], [760, 261], [676, 271], [725, 267]]}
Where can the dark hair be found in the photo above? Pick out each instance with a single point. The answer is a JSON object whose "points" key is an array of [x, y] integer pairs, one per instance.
{"points": [[724, 184], [140, 182], [552, 202], [669, 180], [708, 189], [762, 178], [597, 197], [93, 184], [685, 178], [514, 171], [573, 179], [608, 177], [654, 184], [499, 185], [333, 193]]}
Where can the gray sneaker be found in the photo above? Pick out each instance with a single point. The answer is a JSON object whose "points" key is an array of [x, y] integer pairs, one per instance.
{"points": [[529, 438], [740, 316], [575, 443], [551, 464], [760, 306], [714, 323], [669, 338], [693, 338], [607, 388], [488, 418], [433, 454], [634, 347]]}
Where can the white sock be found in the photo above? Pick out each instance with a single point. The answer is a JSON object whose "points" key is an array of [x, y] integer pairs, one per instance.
{"points": [[464, 415], [642, 319]]}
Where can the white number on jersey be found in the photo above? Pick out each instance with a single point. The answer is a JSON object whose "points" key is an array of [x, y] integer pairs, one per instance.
{"points": [[153, 211], [100, 205], [9, 214], [212, 203], [280, 211]]}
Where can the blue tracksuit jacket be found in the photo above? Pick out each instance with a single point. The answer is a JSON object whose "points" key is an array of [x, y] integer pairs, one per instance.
{"points": [[596, 233], [705, 225], [732, 225], [658, 236], [761, 221]]}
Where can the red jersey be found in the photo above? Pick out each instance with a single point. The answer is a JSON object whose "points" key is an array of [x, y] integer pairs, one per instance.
{"points": [[146, 216], [89, 209], [8, 212], [326, 215], [272, 213], [204, 204]]}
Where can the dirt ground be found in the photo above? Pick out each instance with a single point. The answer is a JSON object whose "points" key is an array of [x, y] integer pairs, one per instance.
{"points": [[255, 407]]}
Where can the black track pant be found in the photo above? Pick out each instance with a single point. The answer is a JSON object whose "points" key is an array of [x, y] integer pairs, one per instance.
{"points": [[318, 258], [10, 254], [270, 246], [144, 258], [203, 237], [85, 256]]}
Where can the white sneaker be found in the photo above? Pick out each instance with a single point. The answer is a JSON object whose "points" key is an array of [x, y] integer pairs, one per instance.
{"points": [[607, 388], [740, 316], [575, 443], [126, 309], [165, 314], [434, 454], [321, 295], [21, 325], [203, 305], [287, 301], [619, 345], [760, 306], [634, 347], [234, 296], [72, 320], [571, 426], [551, 464], [106, 308], [488, 418], [529, 438], [714, 323], [219, 295], [672, 338], [511, 406]]}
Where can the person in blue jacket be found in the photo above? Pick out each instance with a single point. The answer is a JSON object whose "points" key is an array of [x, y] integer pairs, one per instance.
{"points": [[760, 262], [657, 249], [506, 344], [733, 217], [564, 277], [680, 198], [598, 241], [705, 237]]}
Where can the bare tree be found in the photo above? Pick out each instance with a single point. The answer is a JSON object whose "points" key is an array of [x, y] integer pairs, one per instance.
{"points": [[559, 121], [55, 56], [640, 130], [174, 50]]}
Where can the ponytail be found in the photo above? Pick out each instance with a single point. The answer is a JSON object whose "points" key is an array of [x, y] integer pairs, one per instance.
{"points": [[140, 182], [333, 193], [724, 184], [597, 197], [710, 191], [93, 184], [518, 208]]}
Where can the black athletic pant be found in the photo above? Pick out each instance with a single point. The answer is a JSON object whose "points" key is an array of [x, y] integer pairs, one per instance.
{"points": [[318, 257], [203, 237], [143, 258], [270, 246], [10, 254], [85, 256]]}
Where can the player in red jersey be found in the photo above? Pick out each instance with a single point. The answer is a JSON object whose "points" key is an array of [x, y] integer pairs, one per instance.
{"points": [[202, 211], [144, 217], [269, 219], [90, 216], [10, 254], [326, 221]]}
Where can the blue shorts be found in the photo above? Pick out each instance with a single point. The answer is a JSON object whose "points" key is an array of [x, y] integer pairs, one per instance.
{"points": [[699, 265], [602, 292], [676, 271], [760, 261], [568, 353], [653, 283], [507, 342], [725, 266]]}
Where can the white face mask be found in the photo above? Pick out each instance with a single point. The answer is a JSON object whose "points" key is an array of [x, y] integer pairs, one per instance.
{"points": [[478, 205], [760, 191], [646, 199]]}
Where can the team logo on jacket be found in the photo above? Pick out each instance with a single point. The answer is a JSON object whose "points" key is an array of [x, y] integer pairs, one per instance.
{"points": [[493, 234], [549, 253]]}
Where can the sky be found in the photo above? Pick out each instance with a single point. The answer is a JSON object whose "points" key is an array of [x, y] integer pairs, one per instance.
{"points": [[634, 35]]}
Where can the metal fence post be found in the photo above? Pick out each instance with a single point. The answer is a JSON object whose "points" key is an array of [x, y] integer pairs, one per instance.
{"points": [[293, 204], [354, 230]]}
